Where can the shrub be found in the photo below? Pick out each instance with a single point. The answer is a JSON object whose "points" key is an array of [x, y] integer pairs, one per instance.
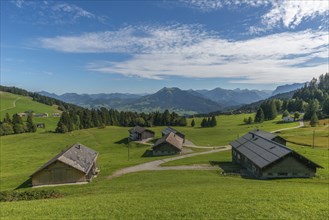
{"points": [[10, 196]]}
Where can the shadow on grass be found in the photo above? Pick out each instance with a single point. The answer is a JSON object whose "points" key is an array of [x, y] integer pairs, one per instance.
{"points": [[26, 184], [148, 153], [227, 167], [122, 141]]}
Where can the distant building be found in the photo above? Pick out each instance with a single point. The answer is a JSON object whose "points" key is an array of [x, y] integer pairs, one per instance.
{"points": [[75, 164], [168, 145], [41, 115], [41, 125], [170, 129], [265, 158], [56, 115], [288, 119], [138, 133], [21, 114]]}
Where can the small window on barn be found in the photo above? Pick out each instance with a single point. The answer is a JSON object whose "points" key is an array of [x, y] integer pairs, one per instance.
{"points": [[283, 174], [295, 174]]}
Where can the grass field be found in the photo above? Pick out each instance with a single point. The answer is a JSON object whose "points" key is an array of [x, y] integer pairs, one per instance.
{"points": [[161, 194], [22, 104], [157, 194], [304, 136]]}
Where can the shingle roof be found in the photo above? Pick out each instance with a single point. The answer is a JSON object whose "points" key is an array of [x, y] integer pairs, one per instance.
{"points": [[262, 151], [170, 129], [139, 129], [77, 156], [172, 139]]}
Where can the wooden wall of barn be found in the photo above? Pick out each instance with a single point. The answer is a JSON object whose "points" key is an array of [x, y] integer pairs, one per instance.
{"points": [[165, 149], [58, 173], [288, 167]]}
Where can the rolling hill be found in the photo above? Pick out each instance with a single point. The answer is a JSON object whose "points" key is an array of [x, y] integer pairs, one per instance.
{"points": [[11, 104]]}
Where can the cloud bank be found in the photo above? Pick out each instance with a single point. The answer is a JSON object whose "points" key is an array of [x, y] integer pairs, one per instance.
{"points": [[188, 51]]}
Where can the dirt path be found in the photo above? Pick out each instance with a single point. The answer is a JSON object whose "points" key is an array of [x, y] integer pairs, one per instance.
{"points": [[14, 104], [155, 165], [301, 124], [189, 143]]}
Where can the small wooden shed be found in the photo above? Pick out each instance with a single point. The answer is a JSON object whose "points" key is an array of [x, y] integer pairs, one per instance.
{"points": [[75, 164], [138, 133], [168, 145], [172, 130]]}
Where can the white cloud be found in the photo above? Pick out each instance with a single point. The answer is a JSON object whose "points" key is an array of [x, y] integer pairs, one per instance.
{"points": [[286, 13], [189, 51], [76, 11], [203, 5], [57, 12], [291, 13], [211, 5]]}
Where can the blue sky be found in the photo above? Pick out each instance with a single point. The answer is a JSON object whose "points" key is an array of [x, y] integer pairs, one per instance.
{"points": [[142, 46]]}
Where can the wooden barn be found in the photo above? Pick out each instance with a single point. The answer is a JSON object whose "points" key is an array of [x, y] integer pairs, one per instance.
{"points": [[265, 158], [75, 164], [171, 130], [138, 133], [168, 145]]}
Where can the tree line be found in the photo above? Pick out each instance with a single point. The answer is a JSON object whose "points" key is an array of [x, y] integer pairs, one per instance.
{"points": [[209, 122], [15, 125], [312, 99], [75, 117], [83, 119]]}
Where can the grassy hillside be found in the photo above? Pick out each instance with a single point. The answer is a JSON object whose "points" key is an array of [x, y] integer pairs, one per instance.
{"points": [[304, 136], [11, 104], [159, 194]]}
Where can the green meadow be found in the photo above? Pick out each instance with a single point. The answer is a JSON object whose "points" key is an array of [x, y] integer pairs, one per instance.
{"points": [[22, 104], [304, 136], [162, 194]]}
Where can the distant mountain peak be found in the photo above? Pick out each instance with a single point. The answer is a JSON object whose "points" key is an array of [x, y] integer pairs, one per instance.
{"points": [[287, 88]]}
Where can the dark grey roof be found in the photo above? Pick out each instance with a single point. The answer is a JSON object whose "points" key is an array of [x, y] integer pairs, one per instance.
{"points": [[172, 139], [77, 156], [139, 129], [170, 129], [264, 134], [262, 151]]}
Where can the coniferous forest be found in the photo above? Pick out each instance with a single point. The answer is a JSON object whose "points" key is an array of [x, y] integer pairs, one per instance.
{"points": [[312, 100]]}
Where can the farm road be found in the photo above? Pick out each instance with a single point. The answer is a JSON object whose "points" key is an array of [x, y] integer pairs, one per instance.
{"points": [[14, 104], [301, 124], [155, 165]]}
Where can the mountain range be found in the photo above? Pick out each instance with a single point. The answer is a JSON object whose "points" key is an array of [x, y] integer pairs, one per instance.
{"points": [[174, 99]]}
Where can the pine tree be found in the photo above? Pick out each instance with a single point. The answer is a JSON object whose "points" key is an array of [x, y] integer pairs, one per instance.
{"points": [[259, 118], [7, 119], [166, 118], [31, 127], [193, 123], [274, 111], [213, 122], [204, 123], [285, 113], [250, 120], [18, 125], [314, 120]]}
